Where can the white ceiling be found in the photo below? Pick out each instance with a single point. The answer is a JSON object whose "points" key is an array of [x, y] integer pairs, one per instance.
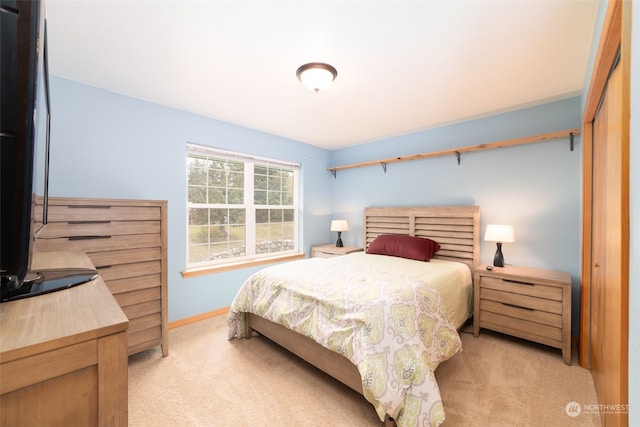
{"points": [[403, 66]]}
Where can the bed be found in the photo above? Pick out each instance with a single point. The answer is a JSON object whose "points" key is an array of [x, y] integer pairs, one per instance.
{"points": [[391, 364]]}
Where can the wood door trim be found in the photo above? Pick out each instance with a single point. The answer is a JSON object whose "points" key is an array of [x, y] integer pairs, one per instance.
{"points": [[610, 41], [615, 37]]}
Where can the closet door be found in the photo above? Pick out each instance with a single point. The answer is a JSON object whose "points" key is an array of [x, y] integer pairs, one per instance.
{"points": [[610, 307]]}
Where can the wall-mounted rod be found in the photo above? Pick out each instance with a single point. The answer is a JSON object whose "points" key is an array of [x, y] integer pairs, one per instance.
{"points": [[507, 143]]}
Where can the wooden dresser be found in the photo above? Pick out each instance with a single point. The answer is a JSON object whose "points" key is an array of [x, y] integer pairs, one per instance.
{"points": [[525, 302], [63, 355], [127, 242]]}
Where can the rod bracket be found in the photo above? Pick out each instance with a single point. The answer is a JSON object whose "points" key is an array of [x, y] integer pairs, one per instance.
{"points": [[334, 173], [571, 135], [384, 166], [458, 157]]}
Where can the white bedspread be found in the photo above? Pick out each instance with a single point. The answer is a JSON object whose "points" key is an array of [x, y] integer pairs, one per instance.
{"points": [[385, 314]]}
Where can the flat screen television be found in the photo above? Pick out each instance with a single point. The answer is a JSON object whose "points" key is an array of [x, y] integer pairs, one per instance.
{"points": [[24, 153]]}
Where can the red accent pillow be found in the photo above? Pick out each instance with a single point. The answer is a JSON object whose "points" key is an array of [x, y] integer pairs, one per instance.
{"points": [[418, 248]]}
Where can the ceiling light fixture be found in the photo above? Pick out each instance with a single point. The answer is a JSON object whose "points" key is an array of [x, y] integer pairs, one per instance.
{"points": [[316, 76]]}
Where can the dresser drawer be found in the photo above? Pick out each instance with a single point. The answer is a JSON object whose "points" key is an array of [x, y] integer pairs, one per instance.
{"points": [[65, 210], [123, 271], [82, 242]]}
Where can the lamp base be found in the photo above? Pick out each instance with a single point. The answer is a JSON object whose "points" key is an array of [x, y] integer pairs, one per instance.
{"points": [[339, 241], [498, 259]]}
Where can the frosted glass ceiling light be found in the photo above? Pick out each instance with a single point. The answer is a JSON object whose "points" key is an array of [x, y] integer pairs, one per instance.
{"points": [[316, 76]]}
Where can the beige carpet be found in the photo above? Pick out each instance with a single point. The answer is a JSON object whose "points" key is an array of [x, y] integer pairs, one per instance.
{"points": [[210, 381]]}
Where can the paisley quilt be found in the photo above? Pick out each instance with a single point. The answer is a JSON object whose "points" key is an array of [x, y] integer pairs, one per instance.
{"points": [[387, 319]]}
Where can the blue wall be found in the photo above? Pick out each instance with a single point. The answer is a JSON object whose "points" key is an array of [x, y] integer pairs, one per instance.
{"points": [[107, 145], [112, 146], [534, 187]]}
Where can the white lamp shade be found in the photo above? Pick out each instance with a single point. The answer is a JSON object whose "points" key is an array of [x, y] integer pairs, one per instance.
{"points": [[316, 76], [339, 225], [499, 233]]}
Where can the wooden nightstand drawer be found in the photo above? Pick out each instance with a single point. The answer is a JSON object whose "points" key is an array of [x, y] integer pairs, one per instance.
{"points": [[538, 332], [521, 300], [520, 287], [524, 302], [331, 250], [518, 312]]}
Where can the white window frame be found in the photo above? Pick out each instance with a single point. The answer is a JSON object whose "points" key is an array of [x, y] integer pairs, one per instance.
{"points": [[249, 205]]}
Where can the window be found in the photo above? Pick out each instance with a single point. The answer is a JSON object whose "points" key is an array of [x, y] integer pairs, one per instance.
{"points": [[239, 207]]}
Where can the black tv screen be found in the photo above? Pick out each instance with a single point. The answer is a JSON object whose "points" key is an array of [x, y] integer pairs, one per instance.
{"points": [[24, 153], [22, 31]]}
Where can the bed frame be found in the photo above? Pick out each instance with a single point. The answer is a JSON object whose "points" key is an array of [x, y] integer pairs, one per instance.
{"points": [[455, 228]]}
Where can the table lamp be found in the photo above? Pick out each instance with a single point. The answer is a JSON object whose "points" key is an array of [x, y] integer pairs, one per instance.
{"points": [[499, 234], [339, 225]]}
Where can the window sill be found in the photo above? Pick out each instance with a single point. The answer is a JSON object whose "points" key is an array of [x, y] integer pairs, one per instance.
{"points": [[195, 272]]}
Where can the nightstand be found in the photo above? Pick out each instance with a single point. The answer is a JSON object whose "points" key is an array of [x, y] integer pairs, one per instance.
{"points": [[331, 250], [524, 302]]}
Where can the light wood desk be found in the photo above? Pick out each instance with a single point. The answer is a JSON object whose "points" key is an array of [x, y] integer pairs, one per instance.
{"points": [[63, 355]]}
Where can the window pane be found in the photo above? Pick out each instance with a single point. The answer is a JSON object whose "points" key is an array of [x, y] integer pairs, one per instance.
{"points": [[216, 173], [262, 216], [236, 180], [197, 195], [237, 216], [275, 215], [198, 216], [273, 234], [236, 197], [275, 183], [197, 175], [235, 166], [275, 198], [260, 197], [218, 216], [287, 188], [217, 195]]}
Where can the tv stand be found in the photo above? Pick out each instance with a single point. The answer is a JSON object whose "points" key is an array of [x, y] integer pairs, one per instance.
{"points": [[48, 280], [63, 355]]}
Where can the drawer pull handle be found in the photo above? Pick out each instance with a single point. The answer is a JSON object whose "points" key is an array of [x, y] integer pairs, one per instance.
{"points": [[89, 222], [89, 207], [87, 237], [517, 306], [518, 282], [103, 267]]}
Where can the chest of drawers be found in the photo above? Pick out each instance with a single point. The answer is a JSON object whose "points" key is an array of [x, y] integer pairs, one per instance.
{"points": [[126, 240]]}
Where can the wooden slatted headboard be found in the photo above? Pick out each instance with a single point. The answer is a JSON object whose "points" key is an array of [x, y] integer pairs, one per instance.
{"points": [[455, 228]]}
